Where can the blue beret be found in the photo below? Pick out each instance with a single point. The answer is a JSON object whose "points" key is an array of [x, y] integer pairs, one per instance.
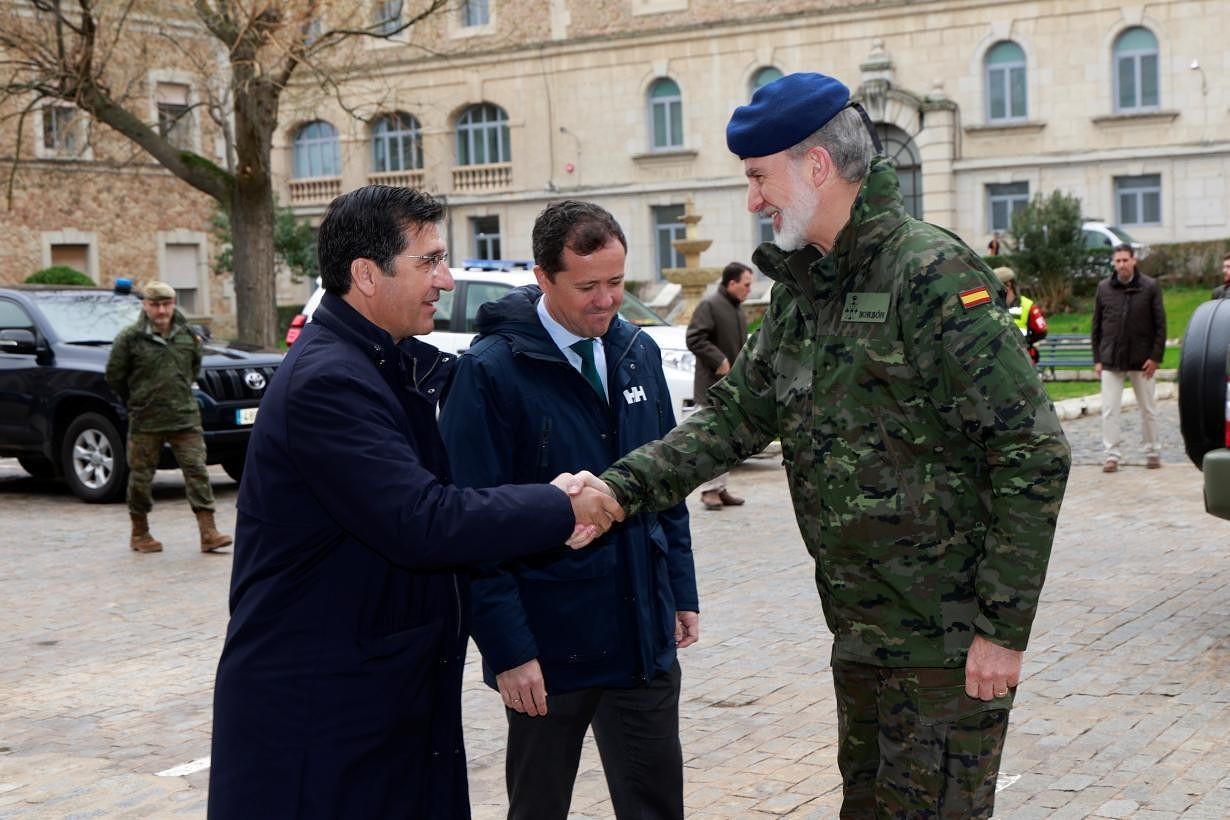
{"points": [[783, 113]]}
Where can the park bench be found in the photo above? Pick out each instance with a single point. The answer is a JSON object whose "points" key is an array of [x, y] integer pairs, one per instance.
{"points": [[1064, 350]]}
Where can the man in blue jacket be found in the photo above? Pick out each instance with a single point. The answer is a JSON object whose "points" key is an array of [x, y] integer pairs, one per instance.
{"points": [[572, 639], [339, 688]]}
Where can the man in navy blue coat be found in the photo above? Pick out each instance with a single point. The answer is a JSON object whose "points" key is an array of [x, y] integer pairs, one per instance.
{"points": [[569, 638], [339, 688]]}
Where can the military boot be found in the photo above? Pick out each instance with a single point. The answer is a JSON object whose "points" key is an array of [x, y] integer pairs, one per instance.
{"points": [[141, 540], [211, 539]]}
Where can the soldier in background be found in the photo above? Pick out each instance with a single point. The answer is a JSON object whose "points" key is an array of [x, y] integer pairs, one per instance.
{"points": [[1024, 312], [926, 463], [152, 366]]}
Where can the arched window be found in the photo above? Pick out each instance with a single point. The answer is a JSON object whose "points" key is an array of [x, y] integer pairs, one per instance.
{"points": [[665, 115], [1135, 70], [315, 151], [397, 143], [482, 135], [1005, 82], [764, 76], [901, 150]]}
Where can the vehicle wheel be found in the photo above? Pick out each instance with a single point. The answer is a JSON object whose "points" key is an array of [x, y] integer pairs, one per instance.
{"points": [[1202, 379], [37, 466], [93, 459], [233, 466]]}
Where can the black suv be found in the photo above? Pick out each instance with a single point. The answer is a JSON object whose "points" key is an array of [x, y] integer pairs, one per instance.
{"points": [[59, 418]]}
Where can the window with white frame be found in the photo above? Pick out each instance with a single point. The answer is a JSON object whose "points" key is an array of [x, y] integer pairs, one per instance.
{"points": [[386, 17], [397, 143], [482, 135], [764, 228], [315, 151], [183, 272], [1138, 200], [475, 13], [665, 115], [901, 150], [486, 232], [75, 255], [1005, 82], [763, 77], [174, 113], [1135, 71], [63, 131], [668, 226], [1004, 200]]}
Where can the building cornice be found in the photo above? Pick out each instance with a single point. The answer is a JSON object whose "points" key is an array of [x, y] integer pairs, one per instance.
{"points": [[1019, 127], [389, 65], [1206, 149], [1135, 118]]}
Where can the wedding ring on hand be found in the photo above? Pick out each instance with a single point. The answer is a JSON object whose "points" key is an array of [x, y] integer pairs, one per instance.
{"points": [[1002, 694]]}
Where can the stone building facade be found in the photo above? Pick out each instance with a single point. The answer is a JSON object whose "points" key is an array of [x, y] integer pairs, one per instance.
{"points": [[501, 106], [505, 105], [84, 196]]}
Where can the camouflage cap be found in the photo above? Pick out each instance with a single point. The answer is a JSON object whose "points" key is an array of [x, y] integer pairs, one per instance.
{"points": [[158, 292]]}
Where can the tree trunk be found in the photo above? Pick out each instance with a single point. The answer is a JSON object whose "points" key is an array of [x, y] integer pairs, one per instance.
{"points": [[255, 276], [256, 116]]}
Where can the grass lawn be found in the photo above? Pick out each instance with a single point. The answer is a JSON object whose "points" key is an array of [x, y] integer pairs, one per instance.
{"points": [[1059, 391], [1180, 303]]}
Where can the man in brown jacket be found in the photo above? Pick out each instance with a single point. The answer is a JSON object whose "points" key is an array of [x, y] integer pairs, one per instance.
{"points": [[1129, 339], [715, 336]]}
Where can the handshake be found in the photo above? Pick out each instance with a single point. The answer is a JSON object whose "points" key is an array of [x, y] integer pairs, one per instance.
{"points": [[593, 504]]}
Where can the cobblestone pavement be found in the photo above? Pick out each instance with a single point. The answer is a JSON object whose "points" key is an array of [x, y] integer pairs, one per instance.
{"points": [[109, 658]]}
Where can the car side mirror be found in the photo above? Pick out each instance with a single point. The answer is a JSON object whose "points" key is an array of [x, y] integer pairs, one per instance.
{"points": [[18, 341], [202, 332]]}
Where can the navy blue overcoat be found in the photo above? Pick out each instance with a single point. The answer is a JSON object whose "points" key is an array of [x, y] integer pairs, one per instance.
{"points": [[338, 691]]}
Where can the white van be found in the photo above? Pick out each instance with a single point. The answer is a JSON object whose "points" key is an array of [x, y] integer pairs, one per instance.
{"points": [[457, 309], [1100, 235]]}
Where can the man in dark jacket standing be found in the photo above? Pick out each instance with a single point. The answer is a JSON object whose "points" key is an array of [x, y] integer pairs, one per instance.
{"points": [[1129, 340], [715, 336], [572, 639], [152, 366], [339, 688], [1222, 291]]}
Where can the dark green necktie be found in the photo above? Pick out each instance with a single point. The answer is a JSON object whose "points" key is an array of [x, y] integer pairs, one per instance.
{"points": [[585, 349]]}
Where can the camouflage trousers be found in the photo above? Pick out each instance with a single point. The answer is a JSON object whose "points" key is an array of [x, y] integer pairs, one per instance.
{"points": [[912, 744], [144, 450]]}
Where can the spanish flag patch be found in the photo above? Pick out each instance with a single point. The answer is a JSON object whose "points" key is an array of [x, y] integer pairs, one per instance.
{"points": [[974, 297]]}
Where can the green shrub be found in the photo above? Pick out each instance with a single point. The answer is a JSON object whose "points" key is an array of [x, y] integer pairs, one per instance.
{"points": [[1187, 263], [59, 275], [1050, 253]]}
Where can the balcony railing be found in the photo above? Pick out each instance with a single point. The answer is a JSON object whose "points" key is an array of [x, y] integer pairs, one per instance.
{"points": [[314, 191], [401, 179], [474, 179]]}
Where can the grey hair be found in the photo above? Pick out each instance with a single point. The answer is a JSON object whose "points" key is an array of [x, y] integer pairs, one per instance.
{"points": [[847, 142]]}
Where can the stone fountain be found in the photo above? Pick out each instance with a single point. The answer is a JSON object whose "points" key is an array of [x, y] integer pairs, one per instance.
{"points": [[691, 278]]}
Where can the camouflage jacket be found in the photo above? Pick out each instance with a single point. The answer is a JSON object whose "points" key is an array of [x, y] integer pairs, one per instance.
{"points": [[154, 376], [925, 461]]}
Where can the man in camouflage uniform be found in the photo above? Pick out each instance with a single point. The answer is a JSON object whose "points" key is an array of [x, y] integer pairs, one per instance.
{"points": [[152, 366], [926, 463]]}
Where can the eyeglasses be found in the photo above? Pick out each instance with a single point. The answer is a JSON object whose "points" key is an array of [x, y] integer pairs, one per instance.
{"points": [[432, 259]]}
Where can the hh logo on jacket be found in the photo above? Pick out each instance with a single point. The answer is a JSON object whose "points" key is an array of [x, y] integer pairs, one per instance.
{"points": [[634, 394]]}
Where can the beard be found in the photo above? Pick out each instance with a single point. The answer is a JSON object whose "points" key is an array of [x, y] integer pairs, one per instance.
{"points": [[795, 215]]}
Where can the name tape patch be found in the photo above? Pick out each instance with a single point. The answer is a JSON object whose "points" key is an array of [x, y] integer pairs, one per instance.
{"points": [[866, 307], [974, 297]]}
